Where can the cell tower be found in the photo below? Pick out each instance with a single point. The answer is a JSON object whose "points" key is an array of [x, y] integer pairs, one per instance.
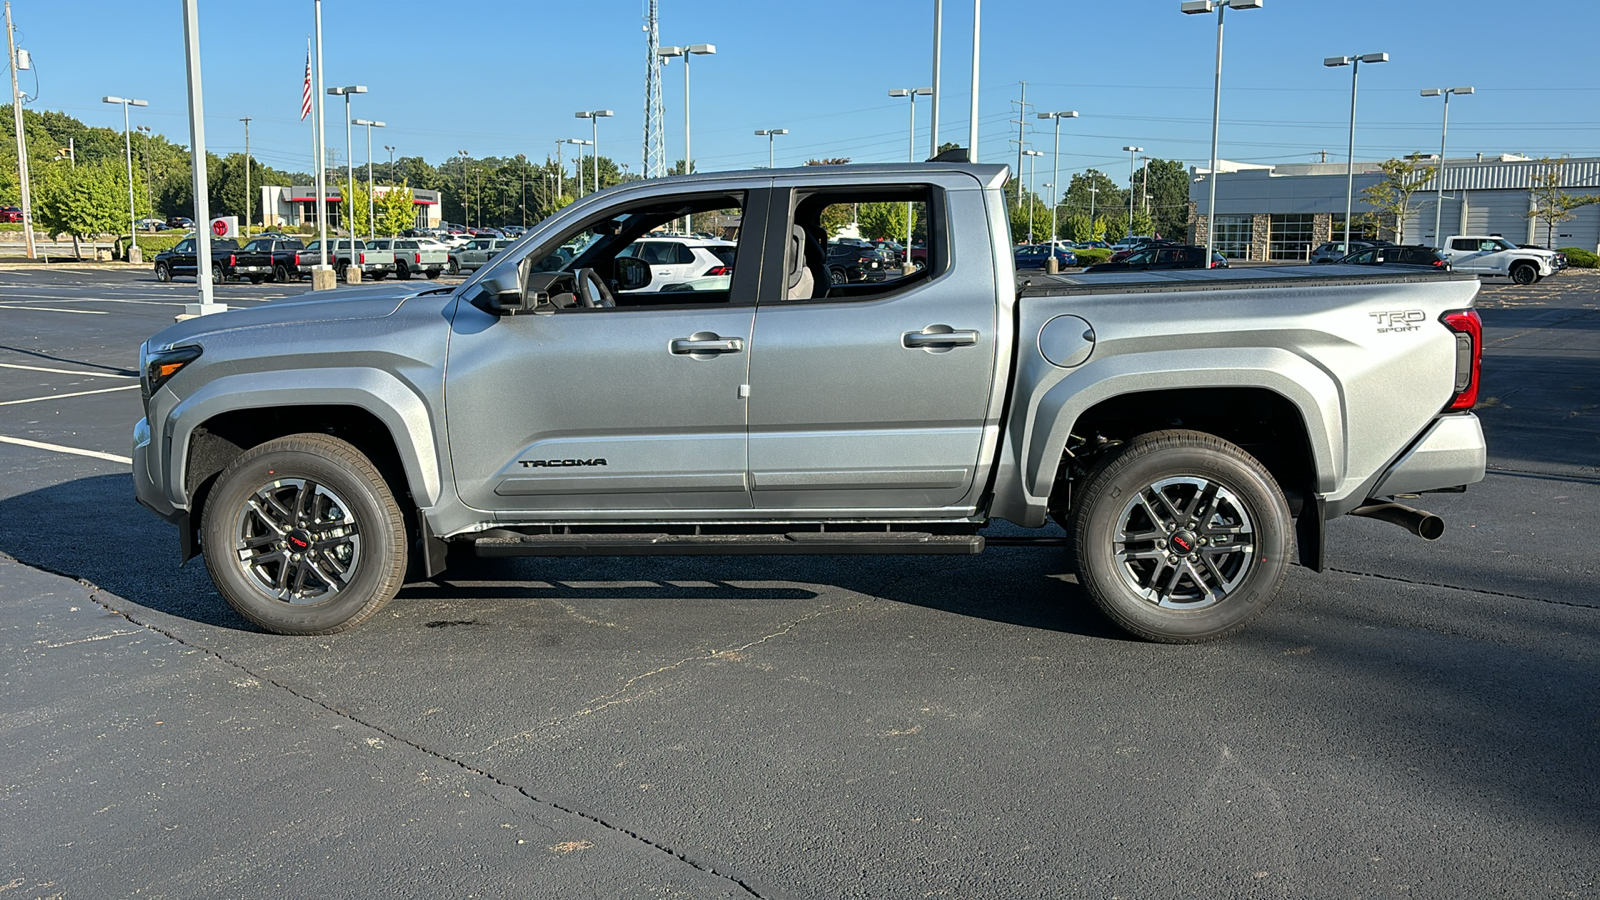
{"points": [[655, 142]]}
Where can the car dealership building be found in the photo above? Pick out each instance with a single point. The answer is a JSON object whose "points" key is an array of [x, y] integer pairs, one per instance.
{"points": [[1283, 212], [297, 205]]}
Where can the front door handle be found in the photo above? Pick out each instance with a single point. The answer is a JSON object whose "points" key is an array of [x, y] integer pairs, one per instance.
{"points": [[706, 342], [944, 338]]}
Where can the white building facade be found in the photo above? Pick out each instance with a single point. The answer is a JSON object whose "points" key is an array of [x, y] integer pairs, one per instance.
{"points": [[297, 205], [1283, 212]]}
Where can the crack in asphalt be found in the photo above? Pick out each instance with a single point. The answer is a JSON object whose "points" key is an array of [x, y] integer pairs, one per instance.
{"points": [[99, 597], [1457, 587]]}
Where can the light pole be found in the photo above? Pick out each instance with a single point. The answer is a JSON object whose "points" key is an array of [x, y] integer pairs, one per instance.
{"points": [[933, 123], [466, 216], [1093, 192], [1131, 152], [349, 145], [1055, 163], [911, 156], [594, 116], [391, 162], [972, 126], [1189, 8], [1031, 155], [1050, 186], [1444, 129], [687, 51], [1354, 62], [371, 204], [149, 199], [127, 141], [770, 134], [246, 121], [581, 144]]}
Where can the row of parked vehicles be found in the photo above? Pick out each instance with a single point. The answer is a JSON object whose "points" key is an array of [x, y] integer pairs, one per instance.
{"points": [[283, 258], [1489, 255]]}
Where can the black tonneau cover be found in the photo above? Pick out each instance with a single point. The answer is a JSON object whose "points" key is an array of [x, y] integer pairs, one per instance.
{"points": [[1039, 285]]}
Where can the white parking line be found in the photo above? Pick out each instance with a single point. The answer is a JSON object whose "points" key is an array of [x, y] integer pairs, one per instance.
{"points": [[81, 312], [57, 448], [125, 387], [64, 371]]}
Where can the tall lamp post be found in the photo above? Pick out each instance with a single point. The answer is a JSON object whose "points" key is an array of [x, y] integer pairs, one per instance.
{"points": [[466, 216], [371, 204], [687, 51], [581, 144], [1093, 193], [149, 198], [1131, 152], [594, 116], [349, 145], [1354, 62], [134, 256], [246, 121], [1031, 155], [1195, 7], [769, 134], [391, 161], [1055, 163], [1444, 129], [912, 94]]}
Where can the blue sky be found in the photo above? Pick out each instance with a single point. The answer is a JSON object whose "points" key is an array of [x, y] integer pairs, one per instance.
{"points": [[499, 77]]}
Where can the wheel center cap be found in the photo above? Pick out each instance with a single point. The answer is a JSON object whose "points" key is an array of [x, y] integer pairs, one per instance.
{"points": [[1182, 543], [299, 540]]}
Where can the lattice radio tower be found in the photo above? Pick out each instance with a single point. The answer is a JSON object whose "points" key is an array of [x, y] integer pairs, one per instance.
{"points": [[655, 143]]}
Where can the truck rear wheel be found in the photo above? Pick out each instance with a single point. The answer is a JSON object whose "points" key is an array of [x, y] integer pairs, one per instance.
{"points": [[302, 536], [1181, 537], [280, 274]]}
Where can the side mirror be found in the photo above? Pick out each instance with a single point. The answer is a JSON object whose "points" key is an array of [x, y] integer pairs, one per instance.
{"points": [[632, 273], [504, 293]]}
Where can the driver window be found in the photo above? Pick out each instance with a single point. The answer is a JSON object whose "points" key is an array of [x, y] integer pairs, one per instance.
{"points": [[685, 267]]}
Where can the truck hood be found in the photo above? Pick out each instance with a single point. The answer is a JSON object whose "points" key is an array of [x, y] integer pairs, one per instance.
{"points": [[344, 304]]}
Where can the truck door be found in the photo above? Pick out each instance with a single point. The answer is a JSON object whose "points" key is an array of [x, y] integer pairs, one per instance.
{"points": [[611, 411], [874, 395], [1470, 254]]}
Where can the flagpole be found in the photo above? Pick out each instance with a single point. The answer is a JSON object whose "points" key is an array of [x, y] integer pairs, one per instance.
{"points": [[304, 112]]}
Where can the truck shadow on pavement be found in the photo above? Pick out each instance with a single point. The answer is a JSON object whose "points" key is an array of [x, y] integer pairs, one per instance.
{"points": [[91, 529]]}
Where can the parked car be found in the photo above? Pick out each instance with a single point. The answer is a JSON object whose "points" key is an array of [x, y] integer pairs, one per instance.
{"points": [[1121, 250], [681, 258], [1037, 256], [1398, 255], [343, 253], [1162, 256], [1493, 255], [1091, 245], [269, 257], [474, 253], [849, 262], [10, 214], [1193, 433], [179, 222], [1333, 251], [183, 259], [415, 256]]}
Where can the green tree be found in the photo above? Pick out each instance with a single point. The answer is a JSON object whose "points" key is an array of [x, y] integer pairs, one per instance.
{"points": [[1169, 198], [1142, 222], [83, 200], [1392, 195], [1113, 226], [1077, 227], [397, 210], [883, 220], [1552, 205]]}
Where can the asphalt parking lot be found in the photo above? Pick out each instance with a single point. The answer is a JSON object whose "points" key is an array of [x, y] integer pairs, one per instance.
{"points": [[1420, 721]]}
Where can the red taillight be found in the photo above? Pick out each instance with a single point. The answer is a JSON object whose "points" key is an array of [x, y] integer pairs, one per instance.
{"points": [[363, 259], [419, 259], [1468, 328], [231, 262], [719, 270], [1438, 264], [297, 259]]}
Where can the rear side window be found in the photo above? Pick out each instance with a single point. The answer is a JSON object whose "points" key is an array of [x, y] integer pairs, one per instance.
{"points": [[1463, 244], [723, 254], [684, 254]]}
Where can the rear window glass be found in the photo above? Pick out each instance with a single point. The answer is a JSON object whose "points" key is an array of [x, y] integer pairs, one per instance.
{"points": [[724, 254]]}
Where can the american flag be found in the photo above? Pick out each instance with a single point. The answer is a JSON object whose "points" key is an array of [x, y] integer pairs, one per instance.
{"points": [[305, 96]]}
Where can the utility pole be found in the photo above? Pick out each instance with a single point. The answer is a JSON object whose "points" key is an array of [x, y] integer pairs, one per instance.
{"points": [[246, 121], [933, 129], [1022, 136], [972, 124], [22, 142]]}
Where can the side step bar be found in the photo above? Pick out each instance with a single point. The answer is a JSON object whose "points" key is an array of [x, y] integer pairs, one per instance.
{"points": [[794, 543]]}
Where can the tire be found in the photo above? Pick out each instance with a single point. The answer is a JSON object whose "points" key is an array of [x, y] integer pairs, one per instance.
{"points": [[837, 275], [217, 277], [163, 274], [402, 271], [1524, 273], [1146, 489], [249, 528], [433, 273], [379, 275], [453, 266], [255, 279], [280, 274]]}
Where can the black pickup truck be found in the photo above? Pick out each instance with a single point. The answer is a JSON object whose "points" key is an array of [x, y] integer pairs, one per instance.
{"points": [[262, 258], [180, 260]]}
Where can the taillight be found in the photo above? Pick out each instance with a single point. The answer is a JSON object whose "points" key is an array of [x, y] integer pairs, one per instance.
{"points": [[297, 259], [231, 262], [363, 259], [419, 258], [1438, 264], [719, 270], [1468, 328]]}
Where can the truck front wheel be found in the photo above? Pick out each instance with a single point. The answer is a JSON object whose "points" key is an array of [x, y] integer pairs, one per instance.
{"points": [[1181, 537], [302, 536], [1524, 273]]}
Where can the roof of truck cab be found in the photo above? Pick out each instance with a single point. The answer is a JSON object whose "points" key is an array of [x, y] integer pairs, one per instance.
{"points": [[990, 175], [1174, 280]]}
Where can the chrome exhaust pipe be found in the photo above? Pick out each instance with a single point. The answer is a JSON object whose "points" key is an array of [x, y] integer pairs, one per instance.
{"points": [[1423, 524]]}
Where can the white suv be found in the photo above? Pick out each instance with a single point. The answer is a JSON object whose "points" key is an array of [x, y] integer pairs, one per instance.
{"points": [[678, 259]]}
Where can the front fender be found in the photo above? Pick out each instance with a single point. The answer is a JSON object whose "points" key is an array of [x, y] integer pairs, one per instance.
{"points": [[392, 401], [1044, 416]]}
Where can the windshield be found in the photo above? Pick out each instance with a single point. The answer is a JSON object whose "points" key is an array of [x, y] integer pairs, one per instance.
{"points": [[1504, 244]]}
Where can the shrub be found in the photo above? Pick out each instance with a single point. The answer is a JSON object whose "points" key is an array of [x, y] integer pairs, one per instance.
{"points": [[1580, 258], [1088, 256]]}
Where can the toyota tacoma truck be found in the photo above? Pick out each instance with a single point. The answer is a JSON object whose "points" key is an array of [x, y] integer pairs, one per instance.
{"points": [[1191, 432]]}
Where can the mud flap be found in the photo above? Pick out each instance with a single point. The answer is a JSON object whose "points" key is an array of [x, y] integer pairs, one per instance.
{"points": [[1310, 531]]}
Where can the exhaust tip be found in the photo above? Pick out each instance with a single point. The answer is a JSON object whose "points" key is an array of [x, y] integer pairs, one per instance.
{"points": [[1429, 526], [1419, 522]]}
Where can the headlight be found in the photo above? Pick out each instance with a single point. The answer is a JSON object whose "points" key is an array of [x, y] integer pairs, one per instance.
{"points": [[157, 367]]}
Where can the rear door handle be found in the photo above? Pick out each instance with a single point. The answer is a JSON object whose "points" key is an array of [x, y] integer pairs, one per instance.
{"points": [[913, 340], [705, 342]]}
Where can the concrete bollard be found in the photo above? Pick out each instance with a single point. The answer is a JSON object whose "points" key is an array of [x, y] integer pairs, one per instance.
{"points": [[352, 274], [1052, 265], [323, 279], [135, 255]]}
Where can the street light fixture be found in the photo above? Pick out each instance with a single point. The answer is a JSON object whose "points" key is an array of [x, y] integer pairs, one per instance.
{"points": [[391, 161], [466, 216], [349, 163], [1190, 8], [1131, 152], [912, 94], [371, 205], [691, 50], [770, 134], [594, 116], [127, 141], [581, 144], [1354, 62], [1444, 128], [1055, 163], [1031, 154]]}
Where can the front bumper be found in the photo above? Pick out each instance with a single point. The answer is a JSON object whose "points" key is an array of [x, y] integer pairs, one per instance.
{"points": [[146, 469]]}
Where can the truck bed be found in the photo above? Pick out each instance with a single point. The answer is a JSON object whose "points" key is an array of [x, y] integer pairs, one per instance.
{"points": [[1172, 280]]}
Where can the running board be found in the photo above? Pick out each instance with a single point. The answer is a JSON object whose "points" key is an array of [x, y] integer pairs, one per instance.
{"points": [[794, 543]]}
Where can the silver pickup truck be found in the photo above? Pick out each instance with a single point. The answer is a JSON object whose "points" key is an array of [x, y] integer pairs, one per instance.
{"points": [[1191, 431]]}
